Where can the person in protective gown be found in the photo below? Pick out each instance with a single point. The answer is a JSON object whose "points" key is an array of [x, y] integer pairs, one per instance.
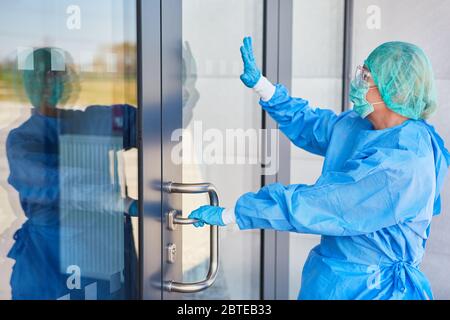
{"points": [[67, 205], [380, 183]]}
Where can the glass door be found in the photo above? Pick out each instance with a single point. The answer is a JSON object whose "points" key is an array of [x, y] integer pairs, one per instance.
{"points": [[211, 134], [68, 157], [78, 153]]}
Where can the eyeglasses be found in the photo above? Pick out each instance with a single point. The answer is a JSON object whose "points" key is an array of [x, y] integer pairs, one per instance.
{"points": [[362, 77]]}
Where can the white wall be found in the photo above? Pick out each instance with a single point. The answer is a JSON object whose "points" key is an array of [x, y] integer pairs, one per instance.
{"points": [[424, 23], [318, 35]]}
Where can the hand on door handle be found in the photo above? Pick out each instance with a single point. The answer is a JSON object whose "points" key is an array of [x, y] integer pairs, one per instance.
{"points": [[174, 286], [211, 215]]}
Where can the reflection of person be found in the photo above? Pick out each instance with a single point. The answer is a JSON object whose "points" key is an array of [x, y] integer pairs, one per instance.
{"points": [[380, 184], [189, 77], [55, 196]]}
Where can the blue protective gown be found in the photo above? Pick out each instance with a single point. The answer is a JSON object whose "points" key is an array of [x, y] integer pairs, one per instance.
{"points": [[35, 172], [372, 204]]}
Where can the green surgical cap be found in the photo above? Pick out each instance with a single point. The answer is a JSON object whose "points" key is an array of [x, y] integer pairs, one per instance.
{"points": [[404, 77]]}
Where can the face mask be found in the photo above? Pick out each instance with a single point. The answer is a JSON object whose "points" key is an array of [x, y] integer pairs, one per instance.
{"points": [[56, 91], [358, 93], [42, 90]]}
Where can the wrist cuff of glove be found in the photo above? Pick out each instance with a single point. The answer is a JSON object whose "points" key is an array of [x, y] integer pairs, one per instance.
{"points": [[228, 216], [265, 89]]}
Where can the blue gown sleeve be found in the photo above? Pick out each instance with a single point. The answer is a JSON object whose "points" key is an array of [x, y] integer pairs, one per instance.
{"points": [[374, 192], [309, 129], [116, 120], [33, 172]]}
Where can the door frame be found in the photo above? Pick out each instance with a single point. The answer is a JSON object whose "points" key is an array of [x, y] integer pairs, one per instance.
{"points": [[160, 104], [150, 153], [278, 25], [172, 120]]}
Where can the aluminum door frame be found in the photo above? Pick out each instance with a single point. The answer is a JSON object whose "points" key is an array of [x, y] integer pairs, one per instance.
{"points": [[160, 102], [150, 153], [347, 74], [160, 109], [278, 24], [172, 120]]}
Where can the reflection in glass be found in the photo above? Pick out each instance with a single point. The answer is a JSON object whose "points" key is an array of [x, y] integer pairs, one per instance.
{"points": [[68, 165]]}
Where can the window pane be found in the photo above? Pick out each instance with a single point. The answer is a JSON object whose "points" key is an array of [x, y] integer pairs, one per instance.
{"points": [[216, 106], [68, 160]]}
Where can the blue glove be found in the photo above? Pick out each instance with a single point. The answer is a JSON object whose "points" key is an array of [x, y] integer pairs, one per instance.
{"points": [[251, 74], [133, 210], [208, 214]]}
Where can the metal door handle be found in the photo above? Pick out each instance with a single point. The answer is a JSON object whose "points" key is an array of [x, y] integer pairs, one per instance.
{"points": [[174, 218]]}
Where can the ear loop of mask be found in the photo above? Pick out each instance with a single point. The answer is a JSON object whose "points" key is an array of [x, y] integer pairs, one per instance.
{"points": [[376, 103]]}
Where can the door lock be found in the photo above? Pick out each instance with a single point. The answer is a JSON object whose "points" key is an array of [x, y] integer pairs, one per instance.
{"points": [[171, 252]]}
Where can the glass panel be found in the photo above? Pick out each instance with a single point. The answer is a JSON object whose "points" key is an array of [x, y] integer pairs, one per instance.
{"points": [[68, 160], [318, 34], [378, 21], [216, 105]]}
